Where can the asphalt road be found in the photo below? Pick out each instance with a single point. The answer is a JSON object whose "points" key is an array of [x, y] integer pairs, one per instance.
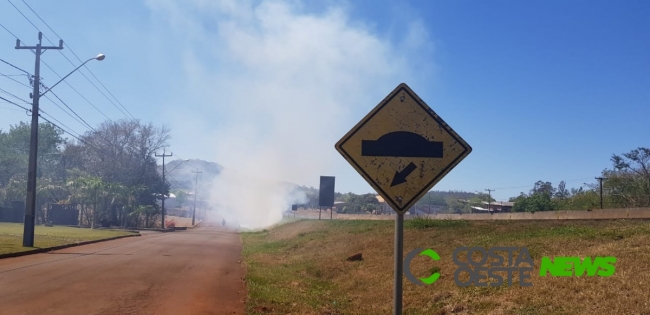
{"points": [[183, 272]]}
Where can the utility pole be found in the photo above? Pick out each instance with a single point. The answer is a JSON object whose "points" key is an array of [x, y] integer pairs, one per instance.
{"points": [[30, 205], [196, 185], [163, 196], [489, 199], [600, 179]]}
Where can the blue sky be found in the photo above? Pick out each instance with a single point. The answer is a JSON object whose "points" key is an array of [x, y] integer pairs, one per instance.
{"points": [[545, 90]]}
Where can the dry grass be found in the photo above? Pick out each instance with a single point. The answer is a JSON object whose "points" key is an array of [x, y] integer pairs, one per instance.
{"points": [[301, 268]]}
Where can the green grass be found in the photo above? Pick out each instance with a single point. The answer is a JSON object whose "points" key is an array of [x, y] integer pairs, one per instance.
{"points": [[425, 223], [11, 236]]}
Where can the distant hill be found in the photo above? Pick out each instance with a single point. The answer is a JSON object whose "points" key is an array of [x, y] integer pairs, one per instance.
{"points": [[180, 173], [181, 177]]}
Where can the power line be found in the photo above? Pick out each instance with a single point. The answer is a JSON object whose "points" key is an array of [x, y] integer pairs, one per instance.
{"points": [[12, 79], [8, 108], [14, 96], [527, 186], [48, 66], [12, 34], [21, 13], [66, 82], [16, 104], [83, 121], [78, 119], [62, 124], [30, 76], [66, 105], [14, 66], [70, 61], [78, 138], [190, 164]]}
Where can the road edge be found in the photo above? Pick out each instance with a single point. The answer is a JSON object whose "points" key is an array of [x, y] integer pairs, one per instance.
{"points": [[49, 249]]}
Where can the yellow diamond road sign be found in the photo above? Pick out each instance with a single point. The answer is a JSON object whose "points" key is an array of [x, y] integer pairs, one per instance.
{"points": [[402, 148]]}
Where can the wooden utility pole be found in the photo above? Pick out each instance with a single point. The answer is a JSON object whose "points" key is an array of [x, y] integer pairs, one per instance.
{"points": [[30, 205], [196, 184], [163, 196], [489, 199], [600, 179]]}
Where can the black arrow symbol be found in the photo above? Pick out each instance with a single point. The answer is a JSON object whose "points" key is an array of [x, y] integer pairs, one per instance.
{"points": [[400, 177]]}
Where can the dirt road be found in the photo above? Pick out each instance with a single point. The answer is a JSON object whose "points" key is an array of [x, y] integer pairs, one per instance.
{"points": [[182, 272]]}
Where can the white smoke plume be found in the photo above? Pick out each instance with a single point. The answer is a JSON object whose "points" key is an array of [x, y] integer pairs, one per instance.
{"points": [[269, 87]]}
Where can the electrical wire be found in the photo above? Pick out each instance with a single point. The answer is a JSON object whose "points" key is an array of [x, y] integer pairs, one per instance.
{"points": [[62, 124], [70, 61], [66, 82], [30, 76], [530, 186], [78, 118], [188, 163], [16, 104], [14, 96], [14, 66], [12, 79], [12, 34], [68, 107], [47, 65]]}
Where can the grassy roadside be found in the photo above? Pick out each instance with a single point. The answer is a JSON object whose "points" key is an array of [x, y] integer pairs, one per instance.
{"points": [[301, 268], [11, 236]]}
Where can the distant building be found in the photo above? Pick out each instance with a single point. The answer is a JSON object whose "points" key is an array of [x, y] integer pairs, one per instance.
{"points": [[338, 205], [500, 206], [494, 206]]}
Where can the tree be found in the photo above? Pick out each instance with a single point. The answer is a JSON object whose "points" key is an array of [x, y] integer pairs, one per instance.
{"points": [[629, 180], [14, 152], [540, 198], [122, 152], [181, 198], [542, 187], [561, 192], [456, 206], [535, 202], [48, 192]]}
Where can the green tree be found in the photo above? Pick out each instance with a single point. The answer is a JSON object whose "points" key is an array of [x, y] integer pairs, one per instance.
{"points": [[539, 201], [456, 206], [122, 152], [544, 188], [562, 192], [181, 198], [628, 182]]}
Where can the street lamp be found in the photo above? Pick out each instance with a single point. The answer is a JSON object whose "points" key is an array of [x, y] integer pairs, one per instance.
{"points": [[30, 206], [99, 57]]}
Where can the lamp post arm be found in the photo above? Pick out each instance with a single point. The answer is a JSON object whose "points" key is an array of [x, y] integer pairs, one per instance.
{"points": [[73, 71]]}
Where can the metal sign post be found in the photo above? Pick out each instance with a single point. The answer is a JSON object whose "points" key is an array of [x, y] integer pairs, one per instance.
{"points": [[402, 148], [399, 264]]}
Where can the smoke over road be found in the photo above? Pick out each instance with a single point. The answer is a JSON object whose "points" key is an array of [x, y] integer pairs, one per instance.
{"points": [[268, 87]]}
